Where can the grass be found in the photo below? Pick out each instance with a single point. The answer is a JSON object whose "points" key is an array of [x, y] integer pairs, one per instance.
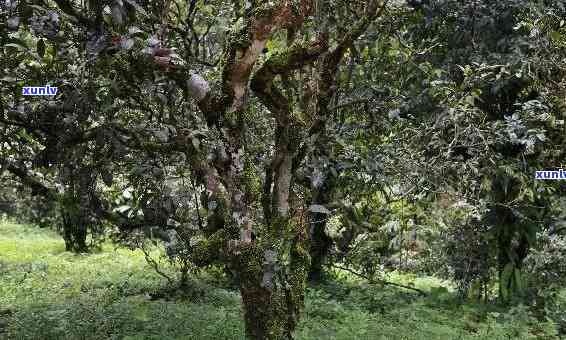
{"points": [[47, 293]]}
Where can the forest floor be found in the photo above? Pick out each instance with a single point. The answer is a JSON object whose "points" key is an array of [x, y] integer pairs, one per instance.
{"points": [[47, 293]]}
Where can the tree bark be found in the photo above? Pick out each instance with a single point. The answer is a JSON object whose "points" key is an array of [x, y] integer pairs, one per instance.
{"points": [[74, 230], [320, 242], [272, 284]]}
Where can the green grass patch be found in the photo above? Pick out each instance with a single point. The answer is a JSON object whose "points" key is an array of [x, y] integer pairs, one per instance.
{"points": [[47, 293]]}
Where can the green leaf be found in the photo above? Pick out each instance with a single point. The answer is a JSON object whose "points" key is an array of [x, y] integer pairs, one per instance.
{"points": [[134, 30], [17, 46], [41, 48], [9, 79], [556, 36], [317, 208], [138, 8], [39, 8], [196, 143], [123, 208]]}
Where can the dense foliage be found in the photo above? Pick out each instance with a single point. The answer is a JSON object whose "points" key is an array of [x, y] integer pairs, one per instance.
{"points": [[275, 142]]}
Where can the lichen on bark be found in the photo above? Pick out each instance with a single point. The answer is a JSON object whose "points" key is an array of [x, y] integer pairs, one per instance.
{"points": [[272, 287]]}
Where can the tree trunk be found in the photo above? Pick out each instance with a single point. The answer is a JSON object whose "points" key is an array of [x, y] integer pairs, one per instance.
{"points": [[73, 224], [80, 233], [273, 290], [320, 245], [320, 242], [74, 234]]}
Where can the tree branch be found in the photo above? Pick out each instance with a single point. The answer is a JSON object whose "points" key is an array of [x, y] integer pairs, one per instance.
{"points": [[37, 188], [383, 282], [263, 86], [67, 7], [282, 63]]}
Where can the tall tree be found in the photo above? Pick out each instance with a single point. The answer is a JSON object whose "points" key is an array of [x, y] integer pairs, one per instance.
{"points": [[250, 229]]}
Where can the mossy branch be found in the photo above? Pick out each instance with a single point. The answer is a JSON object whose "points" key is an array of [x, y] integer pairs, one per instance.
{"points": [[293, 58]]}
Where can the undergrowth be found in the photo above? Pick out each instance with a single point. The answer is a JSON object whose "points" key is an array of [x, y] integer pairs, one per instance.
{"points": [[47, 293]]}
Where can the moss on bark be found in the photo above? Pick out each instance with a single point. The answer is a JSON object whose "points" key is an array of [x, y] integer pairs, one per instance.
{"points": [[210, 249], [273, 287]]}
